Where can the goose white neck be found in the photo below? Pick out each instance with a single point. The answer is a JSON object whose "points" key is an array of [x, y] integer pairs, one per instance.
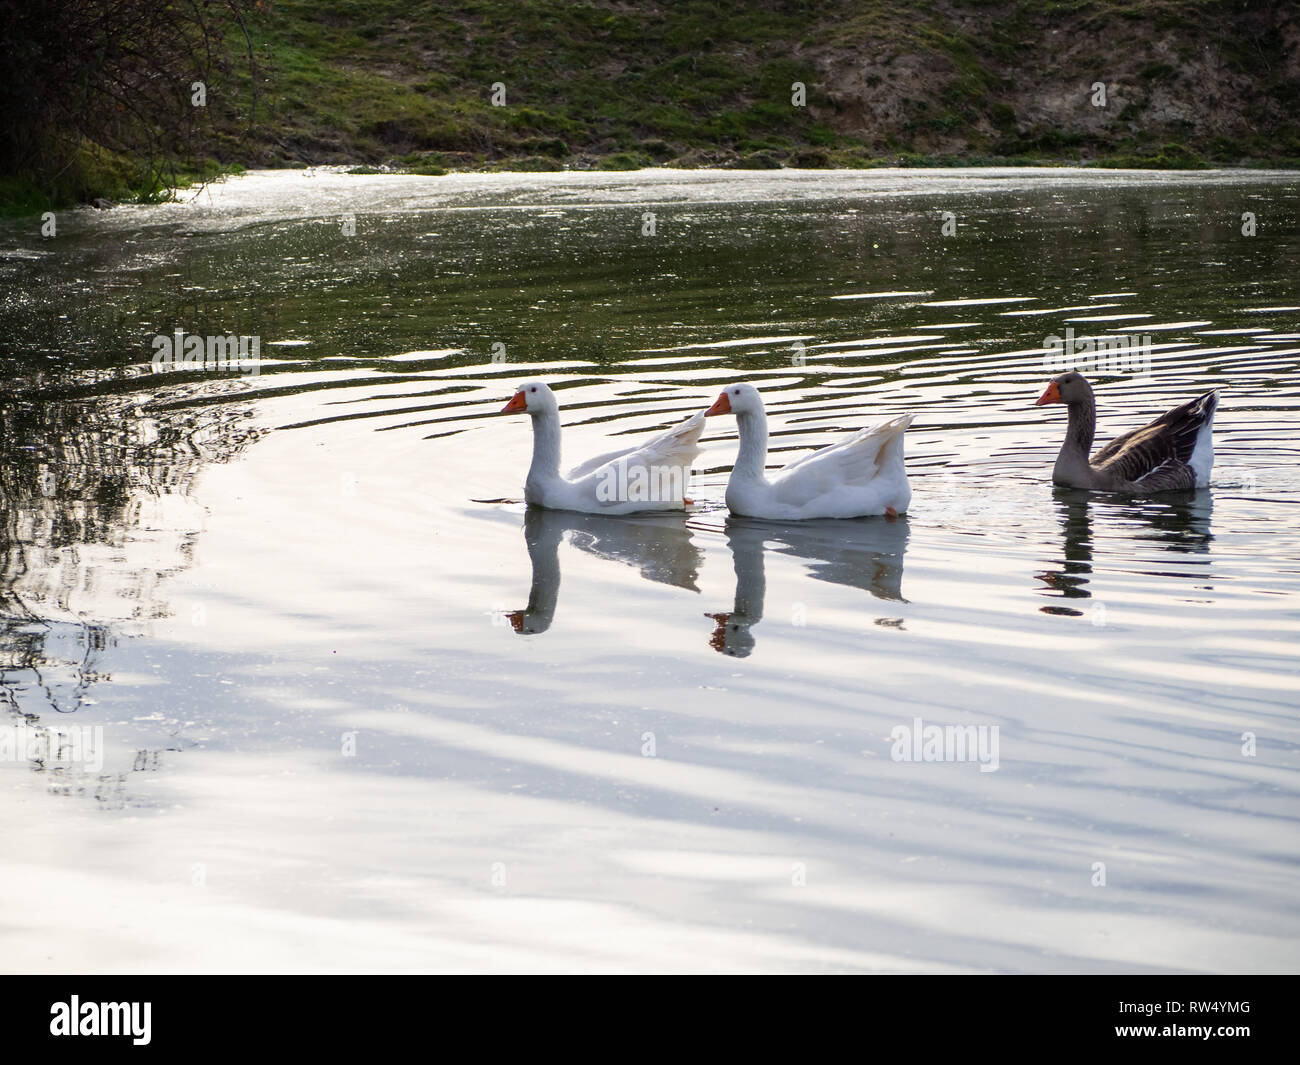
{"points": [[752, 456], [546, 447]]}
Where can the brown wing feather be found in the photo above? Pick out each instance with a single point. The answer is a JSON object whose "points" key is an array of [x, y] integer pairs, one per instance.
{"points": [[1117, 444], [1144, 449], [1170, 476], [1170, 438]]}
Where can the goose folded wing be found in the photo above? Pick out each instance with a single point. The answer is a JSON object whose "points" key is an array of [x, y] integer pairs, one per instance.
{"points": [[1172, 436], [675, 447], [1114, 447], [1139, 453], [848, 464], [593, 464], [1170, 476]]}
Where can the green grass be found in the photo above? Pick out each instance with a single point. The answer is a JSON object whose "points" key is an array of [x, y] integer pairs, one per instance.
{"points": [[593, 84], [97, 174]]}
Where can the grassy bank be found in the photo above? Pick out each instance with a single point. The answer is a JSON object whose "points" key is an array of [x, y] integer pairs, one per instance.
{"points": [[101, 177], [605, 85], [414, 84]]}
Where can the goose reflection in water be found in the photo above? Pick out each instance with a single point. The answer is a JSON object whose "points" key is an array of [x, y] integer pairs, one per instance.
{"points": [[1178, 522], [866, 554], [658, 545]]}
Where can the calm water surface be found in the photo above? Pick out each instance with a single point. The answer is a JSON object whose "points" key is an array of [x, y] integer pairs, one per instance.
{"points": [[355, 718]]}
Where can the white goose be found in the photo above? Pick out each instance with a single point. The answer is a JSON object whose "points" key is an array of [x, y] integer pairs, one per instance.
{"points": [[859, 476], [652, 476]]}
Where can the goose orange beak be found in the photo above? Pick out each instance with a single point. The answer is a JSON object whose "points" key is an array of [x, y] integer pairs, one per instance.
{"points": [[517, 403], [722, 405], [1051, 394]]}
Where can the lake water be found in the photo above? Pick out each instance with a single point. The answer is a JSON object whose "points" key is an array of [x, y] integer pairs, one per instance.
{"points": [[356, 719]]}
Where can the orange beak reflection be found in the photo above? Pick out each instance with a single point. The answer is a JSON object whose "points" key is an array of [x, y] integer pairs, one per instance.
{"points": [[1051, 394], [722, 405], [718, 641], [517, 403]]}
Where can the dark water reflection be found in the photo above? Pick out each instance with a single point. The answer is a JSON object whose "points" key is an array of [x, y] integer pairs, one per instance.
{"points": [[865, 554], [658, 547], [1178, 522], [83, 553]]}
